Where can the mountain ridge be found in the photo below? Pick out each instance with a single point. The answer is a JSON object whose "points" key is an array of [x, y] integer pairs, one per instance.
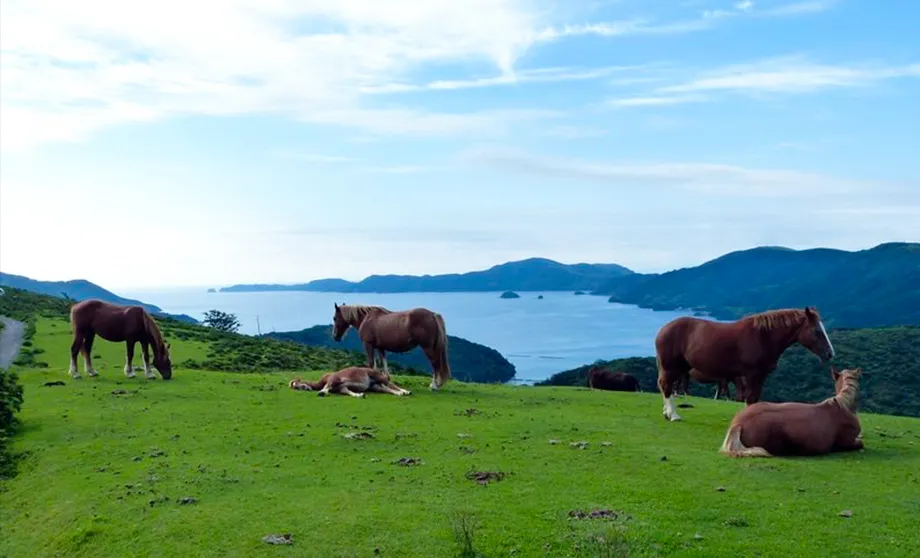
{"points": [[81, 289]]}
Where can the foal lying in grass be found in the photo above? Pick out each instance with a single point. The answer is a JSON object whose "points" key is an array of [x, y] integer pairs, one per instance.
{"points": [[774, 429], [354, 381]]}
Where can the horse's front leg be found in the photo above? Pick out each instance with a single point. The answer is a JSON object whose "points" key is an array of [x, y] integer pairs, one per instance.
{"points": [[371, 358], [752, 391], [383, 358]]}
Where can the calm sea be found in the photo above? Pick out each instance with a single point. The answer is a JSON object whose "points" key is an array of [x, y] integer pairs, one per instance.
{"points": [[540, 337]]}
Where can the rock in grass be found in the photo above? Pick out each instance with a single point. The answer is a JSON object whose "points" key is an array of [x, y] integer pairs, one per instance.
{"points": [[278, 539]]}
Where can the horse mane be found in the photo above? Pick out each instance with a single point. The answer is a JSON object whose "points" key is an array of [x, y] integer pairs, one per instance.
{"points": [[774, 319], [357, 312], [848, 397], [154, 330]]}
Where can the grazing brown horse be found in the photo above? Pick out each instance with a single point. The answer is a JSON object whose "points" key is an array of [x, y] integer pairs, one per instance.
{"points": [[749, 348], [799, 429], [354, 381], [382, 330], [599, 378], [116, 323]]}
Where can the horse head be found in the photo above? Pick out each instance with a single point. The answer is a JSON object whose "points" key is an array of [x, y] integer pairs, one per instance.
{"points": [[339, 324], [162, 361], [813, 336], [841, 377]]}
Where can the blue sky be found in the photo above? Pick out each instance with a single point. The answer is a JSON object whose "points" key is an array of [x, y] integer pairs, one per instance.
{"points": [[208, 143]]}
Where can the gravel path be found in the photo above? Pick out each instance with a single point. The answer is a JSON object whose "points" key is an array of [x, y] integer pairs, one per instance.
{"points": [[10, 340]]}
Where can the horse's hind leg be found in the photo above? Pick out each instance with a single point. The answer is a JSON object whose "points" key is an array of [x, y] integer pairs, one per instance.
{"points": [[88, 353], [435, 360], [383, 358], [75, 349], [666, 380]]}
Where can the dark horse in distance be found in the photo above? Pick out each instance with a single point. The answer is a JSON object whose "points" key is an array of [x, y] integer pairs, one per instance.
{"points": [[749, 348], [116, 323], [383, 330], [599, 378]]}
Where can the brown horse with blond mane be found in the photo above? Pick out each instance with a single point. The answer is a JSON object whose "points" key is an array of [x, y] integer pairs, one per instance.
{"points": [[117, 323], [354, 381], [749, 348], [383, 330], [799, 429]]}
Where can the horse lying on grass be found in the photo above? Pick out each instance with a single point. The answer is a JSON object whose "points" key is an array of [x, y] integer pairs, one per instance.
{"points": [[354, 381], [782, 429]]}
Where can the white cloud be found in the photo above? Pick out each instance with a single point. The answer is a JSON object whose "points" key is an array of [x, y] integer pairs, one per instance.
{"points": [[312, 157], [317, 60], [123, 62], [709, 178]]}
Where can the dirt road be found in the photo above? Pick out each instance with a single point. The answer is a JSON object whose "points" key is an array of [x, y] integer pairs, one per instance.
{"points": [[10, 340]]}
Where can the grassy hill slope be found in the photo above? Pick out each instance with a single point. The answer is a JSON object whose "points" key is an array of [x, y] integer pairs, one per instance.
{"points": [[81, 289], [210, 462], [889, 357], [866, 288], [534, 274], [469, 361]]}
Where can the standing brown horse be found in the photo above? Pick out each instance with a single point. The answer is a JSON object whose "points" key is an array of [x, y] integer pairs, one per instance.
{"points": [[749, 347], [113, 322], [778, 429], [383, 330]]}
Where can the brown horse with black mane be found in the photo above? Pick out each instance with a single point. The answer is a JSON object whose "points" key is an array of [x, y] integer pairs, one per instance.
{"points": [[749, 348], [354, 381], [799, 429], [114, 322], [383, 330]]}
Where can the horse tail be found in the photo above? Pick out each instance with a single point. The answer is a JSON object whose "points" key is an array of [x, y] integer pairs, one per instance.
{"points": [[440, 346], [734, 447]]}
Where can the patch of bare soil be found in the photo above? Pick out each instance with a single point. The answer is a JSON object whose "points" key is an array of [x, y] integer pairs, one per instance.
{"points": [[597, 514], [485, 477], [408, 461]]}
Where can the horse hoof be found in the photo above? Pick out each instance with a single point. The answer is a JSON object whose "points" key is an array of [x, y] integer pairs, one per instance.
{"points": [[320, 394]]}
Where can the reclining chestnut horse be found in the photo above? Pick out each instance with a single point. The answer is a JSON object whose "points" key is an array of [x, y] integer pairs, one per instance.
{"points": [[116, 323], [748, 348], [800, 429], [354, 381], [383, 330], [599, 378]]}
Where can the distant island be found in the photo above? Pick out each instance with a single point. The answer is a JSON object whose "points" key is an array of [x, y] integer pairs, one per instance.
{"points": [[81, 289], [510, 294], [469, 361], [534, 274], [864, 288]]}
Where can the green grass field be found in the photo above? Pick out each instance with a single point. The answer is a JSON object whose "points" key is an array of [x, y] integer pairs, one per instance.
{"points": [[107, 462]]}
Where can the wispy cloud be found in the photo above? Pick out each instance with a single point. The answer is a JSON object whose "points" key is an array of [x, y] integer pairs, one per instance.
{"points": [[540, 75], [311, 157], [790, 76], [778, 76], [654, 100], [710, 178]]}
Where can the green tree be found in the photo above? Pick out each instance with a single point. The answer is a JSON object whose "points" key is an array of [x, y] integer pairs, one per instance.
{"points": [[221, 321]]}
